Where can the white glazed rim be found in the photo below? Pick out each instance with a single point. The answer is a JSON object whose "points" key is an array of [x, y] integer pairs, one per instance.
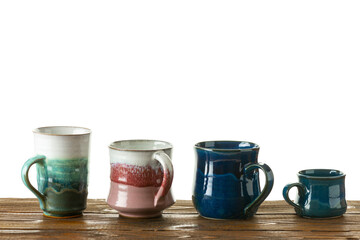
{"points": [[136, 141], [53, 131]]}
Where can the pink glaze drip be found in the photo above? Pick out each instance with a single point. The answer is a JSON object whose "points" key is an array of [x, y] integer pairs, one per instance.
{"points": [[139, 176], [134, 201]]}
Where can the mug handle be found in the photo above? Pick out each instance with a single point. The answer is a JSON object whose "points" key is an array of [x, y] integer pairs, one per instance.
{"points": [[25, 177], [168, 169], [301, 191], [269, 182]]}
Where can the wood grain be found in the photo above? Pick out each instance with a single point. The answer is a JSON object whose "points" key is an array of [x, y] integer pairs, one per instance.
{"points": [[23, 219]]}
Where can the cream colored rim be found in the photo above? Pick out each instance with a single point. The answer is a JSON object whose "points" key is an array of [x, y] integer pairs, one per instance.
{"points": [[40, 130], [111, 146]]}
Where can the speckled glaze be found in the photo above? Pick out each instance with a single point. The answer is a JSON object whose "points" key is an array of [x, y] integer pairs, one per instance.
{"points": [[227, 180], [141, 177], [62, 170], [321, 193]]}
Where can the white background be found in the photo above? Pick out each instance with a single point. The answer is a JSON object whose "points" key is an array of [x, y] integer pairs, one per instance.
{"points": [[283, 74]]}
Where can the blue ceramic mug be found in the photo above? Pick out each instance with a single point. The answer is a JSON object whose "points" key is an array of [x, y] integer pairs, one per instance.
{"points": [[226, 184], [321, 193]]}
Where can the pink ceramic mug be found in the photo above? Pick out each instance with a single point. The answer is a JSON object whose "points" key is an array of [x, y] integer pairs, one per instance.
{"points": [[141, 177]]}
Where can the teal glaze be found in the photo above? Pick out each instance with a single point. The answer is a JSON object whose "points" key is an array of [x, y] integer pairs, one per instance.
{"points": [[321, 193], [62, 185], [25, 178]]}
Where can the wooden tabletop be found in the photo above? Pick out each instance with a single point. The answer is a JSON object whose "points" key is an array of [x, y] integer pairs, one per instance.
{"points": [[22, 219]]}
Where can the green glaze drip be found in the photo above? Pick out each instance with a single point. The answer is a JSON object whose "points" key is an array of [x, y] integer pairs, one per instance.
{"points": [[64, 183]]}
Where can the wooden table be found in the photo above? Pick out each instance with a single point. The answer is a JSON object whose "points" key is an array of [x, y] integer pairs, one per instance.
{"points": [[22, 218]]}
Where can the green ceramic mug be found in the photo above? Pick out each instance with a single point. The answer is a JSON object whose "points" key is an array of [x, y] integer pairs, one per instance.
{"points": [[62, 170]]}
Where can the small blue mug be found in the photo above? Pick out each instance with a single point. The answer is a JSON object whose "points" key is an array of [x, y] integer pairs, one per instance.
{"points": [[226, 182], [321, 193]]}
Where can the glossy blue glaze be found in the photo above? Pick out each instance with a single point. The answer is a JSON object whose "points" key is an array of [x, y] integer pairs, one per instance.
{"points": [[223, 188], [321, 193]]}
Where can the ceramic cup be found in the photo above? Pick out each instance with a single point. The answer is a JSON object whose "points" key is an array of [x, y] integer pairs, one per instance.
{"points": [[141, 177], [321, 193], [227, 180], [62, 170]]}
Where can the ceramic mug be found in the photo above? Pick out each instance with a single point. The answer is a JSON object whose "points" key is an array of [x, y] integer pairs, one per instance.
{"points": [[141, 177], [62, 170], [227, 180], [321, 193]]}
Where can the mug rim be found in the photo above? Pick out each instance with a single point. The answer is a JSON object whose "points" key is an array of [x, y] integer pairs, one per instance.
{"points": [[169, 145], [255, 146], [39, 130], [302, 173]]}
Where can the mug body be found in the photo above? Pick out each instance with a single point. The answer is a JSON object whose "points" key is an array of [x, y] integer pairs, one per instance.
{"points": [[136, 178], [63, 176], [324, 196], [221, 189]]}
